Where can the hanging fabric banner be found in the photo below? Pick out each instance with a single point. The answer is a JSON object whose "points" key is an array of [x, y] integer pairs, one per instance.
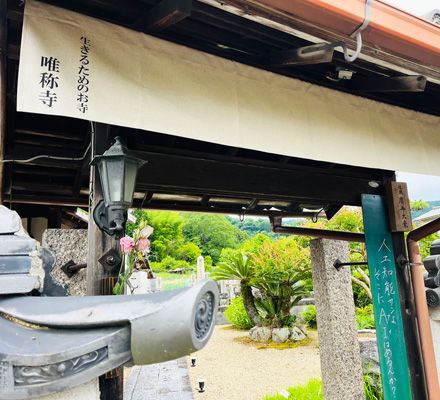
{"points": [[77, 66]]}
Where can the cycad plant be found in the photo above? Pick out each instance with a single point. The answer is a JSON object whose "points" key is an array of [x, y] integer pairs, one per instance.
{"points": [[238, 266], [277, 271]]}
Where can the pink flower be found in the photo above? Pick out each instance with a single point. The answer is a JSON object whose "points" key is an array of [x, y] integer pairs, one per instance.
{"points": [[143, 244], [127, 243]]}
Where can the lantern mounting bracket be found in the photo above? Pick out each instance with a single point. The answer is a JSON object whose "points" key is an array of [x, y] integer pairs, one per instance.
{"points": [[109, 219]]}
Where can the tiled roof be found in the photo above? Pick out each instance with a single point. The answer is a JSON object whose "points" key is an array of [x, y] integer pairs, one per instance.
{"points": [[434, 213]]}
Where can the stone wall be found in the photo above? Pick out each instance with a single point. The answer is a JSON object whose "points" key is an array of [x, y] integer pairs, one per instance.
{"points": [[68, 244]]}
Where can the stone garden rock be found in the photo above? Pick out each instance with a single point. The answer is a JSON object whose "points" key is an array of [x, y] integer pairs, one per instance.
{"points": [[369, 354], [280, 335], [297, 334], [261, 334]]}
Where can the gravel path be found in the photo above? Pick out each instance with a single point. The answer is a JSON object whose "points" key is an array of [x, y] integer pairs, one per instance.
{"points": [[237, 371]]}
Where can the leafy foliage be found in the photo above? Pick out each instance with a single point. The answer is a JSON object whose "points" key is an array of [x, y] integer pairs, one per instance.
{"points": [[309, 316], [190, 252], [236, 314], [212, 233], [431, 205], [418, 205], [313, 390], [276, 269], [365, 317]]}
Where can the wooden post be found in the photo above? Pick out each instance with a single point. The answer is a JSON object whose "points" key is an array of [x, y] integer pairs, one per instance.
{"points": [[110, 384], [3, 82], [405, 290]]}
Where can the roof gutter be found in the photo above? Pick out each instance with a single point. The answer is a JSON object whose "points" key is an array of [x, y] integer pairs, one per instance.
{"points": [[389, 29], [397, 33]]}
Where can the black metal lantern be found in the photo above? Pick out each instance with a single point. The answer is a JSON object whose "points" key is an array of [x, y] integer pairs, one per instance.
{"points": [[118, 170]]}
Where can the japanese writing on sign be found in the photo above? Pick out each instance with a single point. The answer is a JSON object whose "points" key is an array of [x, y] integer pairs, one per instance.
{"points": [[403, 212], [83, 75], [386, 303], [387, 315], [398, 206], [48, 80]]}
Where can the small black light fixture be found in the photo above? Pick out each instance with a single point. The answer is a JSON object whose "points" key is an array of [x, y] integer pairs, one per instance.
{"points": [[118, 169], [201, 385], [193, 361]]}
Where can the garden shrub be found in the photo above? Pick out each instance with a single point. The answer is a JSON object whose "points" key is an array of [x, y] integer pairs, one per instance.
{"points": [[236, 314], [313, 390], [310, 317], [365, 317]]}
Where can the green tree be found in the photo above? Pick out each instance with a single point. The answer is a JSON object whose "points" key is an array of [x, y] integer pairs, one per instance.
{"points": [[418, 205], [212, 233], [190, 252], [167, 236]]}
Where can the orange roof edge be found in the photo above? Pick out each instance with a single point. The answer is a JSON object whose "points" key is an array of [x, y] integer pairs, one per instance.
{"points": [[390, 28]]}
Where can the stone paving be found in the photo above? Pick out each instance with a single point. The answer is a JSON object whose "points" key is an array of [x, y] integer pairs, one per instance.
{"points": [[164, 381]]}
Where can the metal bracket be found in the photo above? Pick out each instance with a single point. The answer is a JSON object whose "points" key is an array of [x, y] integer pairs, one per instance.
{"points": [[71, 268], [110, 260], [401, 261], [338, 264]]}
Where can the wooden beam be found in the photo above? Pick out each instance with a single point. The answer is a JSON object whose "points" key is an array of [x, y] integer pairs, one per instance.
{"points": [[396, 84], [165, 14], [52, 200], [315, 54], [3, 98], [190, 175]]}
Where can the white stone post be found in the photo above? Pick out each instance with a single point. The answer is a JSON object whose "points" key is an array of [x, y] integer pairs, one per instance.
{"points": [[159, 283], [200, 268], [193, 279], [223, 286], [335, 314], [207, 275]]}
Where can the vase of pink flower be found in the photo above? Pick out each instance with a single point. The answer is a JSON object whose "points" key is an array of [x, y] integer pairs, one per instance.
{"points": [[134, 255]]}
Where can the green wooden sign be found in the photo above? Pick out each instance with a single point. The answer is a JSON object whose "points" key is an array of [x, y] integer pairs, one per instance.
{"points": [[387, 311]]}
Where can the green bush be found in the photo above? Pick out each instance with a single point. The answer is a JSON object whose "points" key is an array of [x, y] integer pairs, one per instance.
{"points": [[365, 317], [169, 263], [313, 390], [236, 314], [310, 317]]}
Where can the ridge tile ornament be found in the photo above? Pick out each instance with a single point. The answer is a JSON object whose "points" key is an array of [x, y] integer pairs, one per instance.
{"points": [[51, 344]]}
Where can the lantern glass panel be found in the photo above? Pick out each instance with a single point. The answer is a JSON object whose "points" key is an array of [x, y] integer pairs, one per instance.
{"points": [[104, 182], [130, 181], [115, 176]]}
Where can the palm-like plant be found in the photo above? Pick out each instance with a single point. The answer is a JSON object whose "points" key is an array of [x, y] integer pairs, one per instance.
{"points": [[281, 296], [238, 266]]}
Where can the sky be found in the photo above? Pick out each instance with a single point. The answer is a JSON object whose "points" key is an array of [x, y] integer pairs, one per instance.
{"points": [[417, 7], [425, 187]]}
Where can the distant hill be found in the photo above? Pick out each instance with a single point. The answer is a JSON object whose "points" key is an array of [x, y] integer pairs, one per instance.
{"points": [[432, 204], [261, 225]]}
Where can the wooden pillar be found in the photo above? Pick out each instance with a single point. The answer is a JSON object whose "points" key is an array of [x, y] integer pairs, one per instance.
{"points": [[3, 83], [110, 384], [54, 218], [407, 305]]}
